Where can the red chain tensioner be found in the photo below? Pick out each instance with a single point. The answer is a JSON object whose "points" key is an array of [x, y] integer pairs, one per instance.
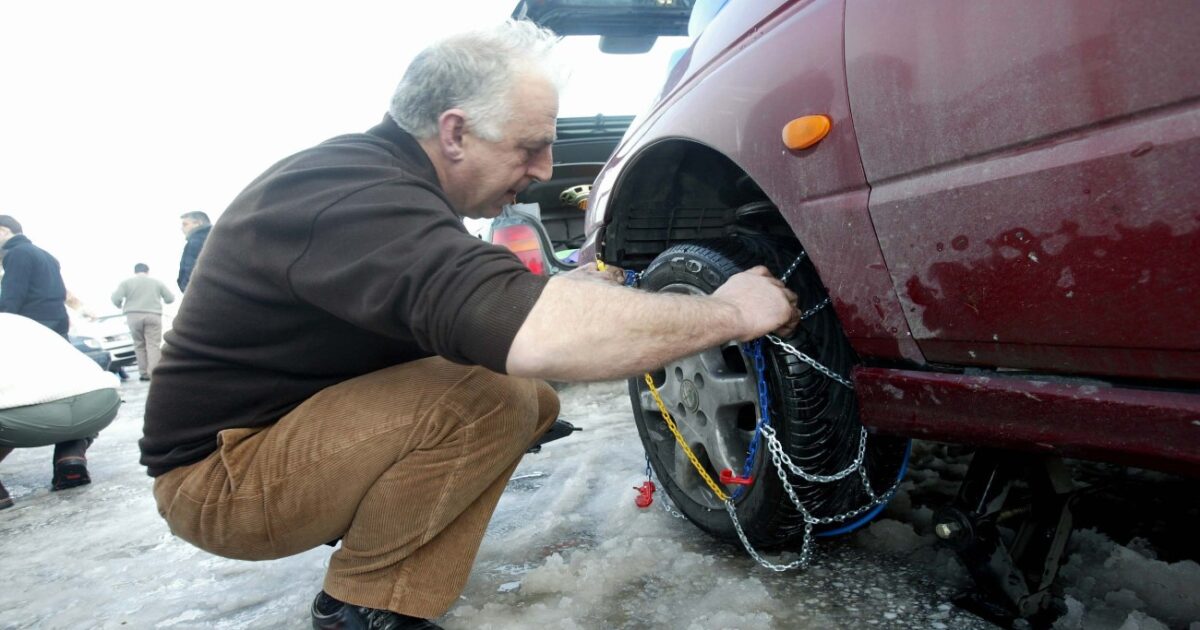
{"points": [[728, 478], [645, 494]]}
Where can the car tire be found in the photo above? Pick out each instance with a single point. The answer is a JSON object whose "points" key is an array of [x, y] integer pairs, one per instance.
{"points": [[816, 419]]}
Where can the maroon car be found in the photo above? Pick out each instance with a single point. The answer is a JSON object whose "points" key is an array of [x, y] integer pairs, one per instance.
{"points": [[992, 216]]}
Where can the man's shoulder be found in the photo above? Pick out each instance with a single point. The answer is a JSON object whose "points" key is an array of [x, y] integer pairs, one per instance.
{"points": [[397, 156], [21, 251], [199, 234]]}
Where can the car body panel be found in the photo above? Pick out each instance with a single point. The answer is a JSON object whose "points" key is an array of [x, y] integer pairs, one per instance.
{"points": [[837, 233], [1026, 163], [92, 349], [112, 332], [782, 71], [1066, 417], [1025, 200]]}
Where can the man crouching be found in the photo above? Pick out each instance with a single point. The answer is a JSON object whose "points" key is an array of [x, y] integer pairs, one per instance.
{"points": [[352, 363]]}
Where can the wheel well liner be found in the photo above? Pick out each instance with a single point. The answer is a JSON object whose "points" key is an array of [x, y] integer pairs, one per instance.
{"points": [[680, 190]]}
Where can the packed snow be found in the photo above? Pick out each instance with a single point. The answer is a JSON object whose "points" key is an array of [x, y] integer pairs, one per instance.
{"points": [[566, 549]]}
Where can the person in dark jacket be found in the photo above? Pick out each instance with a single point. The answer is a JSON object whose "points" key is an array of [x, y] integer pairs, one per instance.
{"points": [[32, 284], [33, 287], [195, 226]]}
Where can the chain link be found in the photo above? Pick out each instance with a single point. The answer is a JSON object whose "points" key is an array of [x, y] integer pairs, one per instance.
{"points": [[679, 439], [792, 268], [814, 310], [754, 349], [779, 458], [666, 504], [782, 462], [795, 564], [811, 361]]}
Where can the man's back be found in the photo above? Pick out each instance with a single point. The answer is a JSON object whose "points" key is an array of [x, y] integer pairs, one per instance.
{"points": [[333, 264], [33, 285], [142, 294]]}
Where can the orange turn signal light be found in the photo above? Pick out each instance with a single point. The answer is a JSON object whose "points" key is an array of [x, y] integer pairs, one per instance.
{"points": [[806, 131]]}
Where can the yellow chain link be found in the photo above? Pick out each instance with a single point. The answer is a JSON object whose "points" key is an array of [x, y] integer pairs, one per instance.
{"points": [[662, 408], [712, 485]]}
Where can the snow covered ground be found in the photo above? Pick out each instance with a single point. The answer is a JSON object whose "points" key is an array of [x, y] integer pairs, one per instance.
{"points": [[566, 549]]}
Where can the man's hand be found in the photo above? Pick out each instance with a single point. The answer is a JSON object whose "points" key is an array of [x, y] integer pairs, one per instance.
{"points": [[612, 274], [763, 303]]}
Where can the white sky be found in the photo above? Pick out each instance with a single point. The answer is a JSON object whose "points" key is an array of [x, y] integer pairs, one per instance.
{"points": [[116, 117]]}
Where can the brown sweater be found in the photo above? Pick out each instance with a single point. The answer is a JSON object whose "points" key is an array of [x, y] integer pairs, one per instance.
{"points": [[341, 260]]}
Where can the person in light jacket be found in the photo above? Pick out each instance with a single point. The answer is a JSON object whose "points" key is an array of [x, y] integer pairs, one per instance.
{"points": [[141, 298]]}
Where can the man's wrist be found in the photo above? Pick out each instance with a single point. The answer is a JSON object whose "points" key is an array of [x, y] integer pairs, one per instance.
{"points": [[729, 318]]}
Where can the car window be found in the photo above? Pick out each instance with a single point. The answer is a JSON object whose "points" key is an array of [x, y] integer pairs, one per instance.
{"points": [[600, 83], [703, 13]]}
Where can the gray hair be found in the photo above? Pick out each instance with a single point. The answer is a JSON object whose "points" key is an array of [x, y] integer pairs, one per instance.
{"points": [[196, 215], [472, 71]]}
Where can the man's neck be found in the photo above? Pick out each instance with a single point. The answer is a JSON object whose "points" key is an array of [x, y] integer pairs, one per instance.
{"points": [[430, 147]]}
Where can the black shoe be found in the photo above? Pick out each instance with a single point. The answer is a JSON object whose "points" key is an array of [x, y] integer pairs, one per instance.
{"points": [[560, 429], [5, 500], [329, 613], [69, 472], [144, 377]]}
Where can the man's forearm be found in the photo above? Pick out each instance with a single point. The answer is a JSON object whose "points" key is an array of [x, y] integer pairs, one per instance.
{"points": [[588, 330]]}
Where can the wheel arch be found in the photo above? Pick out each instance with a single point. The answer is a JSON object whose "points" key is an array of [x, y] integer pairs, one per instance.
{"points": [[677, 190]]}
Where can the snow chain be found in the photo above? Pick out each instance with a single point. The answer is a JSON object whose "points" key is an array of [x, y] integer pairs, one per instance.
{"points": [[763, 430]]}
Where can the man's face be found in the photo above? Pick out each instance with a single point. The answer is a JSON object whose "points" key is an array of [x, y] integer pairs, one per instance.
{"points": [[492, 173], [187, 225], [5, 234]]}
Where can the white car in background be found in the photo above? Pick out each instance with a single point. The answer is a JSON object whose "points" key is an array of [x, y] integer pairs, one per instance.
{"points": [[112, 333]]}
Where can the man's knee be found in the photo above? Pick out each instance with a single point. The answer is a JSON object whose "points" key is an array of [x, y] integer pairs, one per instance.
{"points": [[73, 418], [514, 408]]}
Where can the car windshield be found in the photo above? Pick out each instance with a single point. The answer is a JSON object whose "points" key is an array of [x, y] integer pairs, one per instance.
{"points": [[609, 84]]}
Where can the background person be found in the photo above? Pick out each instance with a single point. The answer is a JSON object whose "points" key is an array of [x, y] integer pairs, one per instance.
{"points": [[50, 393], [195, 227], [379, 367], [32, 284], [141, 299]]}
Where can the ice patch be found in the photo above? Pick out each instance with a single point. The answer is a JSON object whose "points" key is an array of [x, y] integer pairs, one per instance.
{"points": [[891, 536], [1119, 580]]}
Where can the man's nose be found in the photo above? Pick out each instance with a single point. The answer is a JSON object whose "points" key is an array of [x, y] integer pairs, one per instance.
{"points": [[541, 167]]}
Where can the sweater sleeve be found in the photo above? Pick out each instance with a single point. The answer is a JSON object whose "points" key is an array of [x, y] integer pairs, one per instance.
{"points": [[14, 287], [165, 293], [394, 259], [118, 296]]}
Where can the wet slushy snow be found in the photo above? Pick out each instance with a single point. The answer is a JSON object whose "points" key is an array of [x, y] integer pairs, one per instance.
{"points": [[566, 549]]}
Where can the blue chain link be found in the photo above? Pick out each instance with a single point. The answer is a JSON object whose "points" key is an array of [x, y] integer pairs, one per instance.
{"points": [[754, 349], [632, 278]]}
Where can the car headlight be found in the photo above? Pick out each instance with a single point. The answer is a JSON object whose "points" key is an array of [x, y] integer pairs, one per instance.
{"points": [[88, 342]]}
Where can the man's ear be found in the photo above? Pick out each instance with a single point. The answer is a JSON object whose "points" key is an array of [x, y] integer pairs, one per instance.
{"points": [[452, 126]]}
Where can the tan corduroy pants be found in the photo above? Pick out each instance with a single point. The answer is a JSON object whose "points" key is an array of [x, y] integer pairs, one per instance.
{"points": [[406, 464]]}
